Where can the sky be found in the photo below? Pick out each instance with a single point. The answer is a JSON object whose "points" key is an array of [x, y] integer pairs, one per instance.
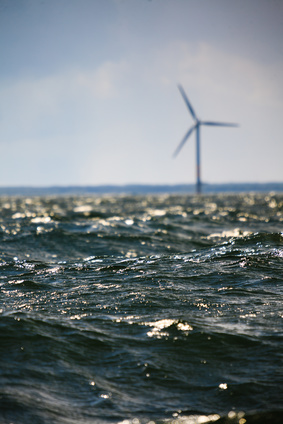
{"points": [[88, 91]]}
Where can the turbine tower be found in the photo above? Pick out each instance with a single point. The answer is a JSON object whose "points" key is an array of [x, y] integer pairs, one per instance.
{"points": [[196, 127]]}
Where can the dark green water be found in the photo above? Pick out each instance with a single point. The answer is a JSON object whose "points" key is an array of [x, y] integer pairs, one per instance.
{"points": [[147, 309]]}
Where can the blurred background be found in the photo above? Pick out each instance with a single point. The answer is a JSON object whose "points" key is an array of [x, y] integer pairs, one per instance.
{"points": [[88, 90]]}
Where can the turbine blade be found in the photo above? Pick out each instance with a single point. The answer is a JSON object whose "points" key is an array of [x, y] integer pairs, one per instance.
{"points": [[187, 102], [218, 124], [184, 140]]}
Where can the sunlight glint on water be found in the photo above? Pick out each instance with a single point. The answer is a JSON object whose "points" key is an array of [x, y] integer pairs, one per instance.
{"points": [[141, 309]]}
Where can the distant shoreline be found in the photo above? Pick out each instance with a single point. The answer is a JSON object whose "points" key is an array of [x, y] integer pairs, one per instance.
{"points": [[133, 189]]}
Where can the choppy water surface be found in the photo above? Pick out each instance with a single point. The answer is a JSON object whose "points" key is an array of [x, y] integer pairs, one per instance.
{"points": [[143, 309]]}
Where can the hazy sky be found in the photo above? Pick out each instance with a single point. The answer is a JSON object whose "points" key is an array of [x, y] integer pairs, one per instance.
{"points": [[88, 90]]}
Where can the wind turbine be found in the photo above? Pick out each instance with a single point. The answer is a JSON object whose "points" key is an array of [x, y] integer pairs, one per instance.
{"points": [[196, 127]]}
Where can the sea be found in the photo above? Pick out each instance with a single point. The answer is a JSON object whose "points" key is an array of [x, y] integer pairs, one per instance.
{"points": [[141, 308]]}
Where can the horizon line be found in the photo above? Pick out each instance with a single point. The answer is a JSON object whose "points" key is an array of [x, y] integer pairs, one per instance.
{"points": [[141, 188]]}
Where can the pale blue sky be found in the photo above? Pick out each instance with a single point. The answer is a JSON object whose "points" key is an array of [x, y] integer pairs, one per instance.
{"points": [[88, 90]]}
